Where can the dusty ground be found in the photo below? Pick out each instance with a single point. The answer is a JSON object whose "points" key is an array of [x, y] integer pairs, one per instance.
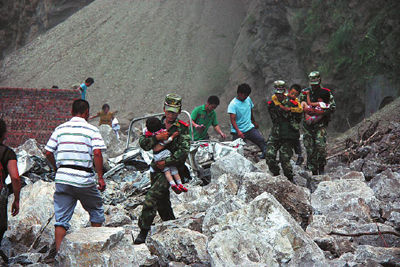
{"points": [[137, 51]]}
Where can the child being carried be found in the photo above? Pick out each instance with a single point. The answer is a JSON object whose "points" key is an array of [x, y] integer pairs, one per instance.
{"points": [[160, 152], [321, 105]]}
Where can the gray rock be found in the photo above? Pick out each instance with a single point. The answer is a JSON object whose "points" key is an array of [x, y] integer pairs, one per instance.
{"points": [[353, 200], [97, 246], [234, 164], [370, 256], [144, 256], [261, 233], [116, 216], [31, 147], [115, 147], [353, 175], [180, 245], [295, 199], [385, 186], [370, 168], [23, 228]]}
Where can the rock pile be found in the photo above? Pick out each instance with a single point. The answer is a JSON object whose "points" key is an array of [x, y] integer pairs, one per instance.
{"points": [[243, 217]]}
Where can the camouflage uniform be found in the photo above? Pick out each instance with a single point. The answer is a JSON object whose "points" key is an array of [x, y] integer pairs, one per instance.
{"points": [[314, 137], [157, 198], [284, 136]]}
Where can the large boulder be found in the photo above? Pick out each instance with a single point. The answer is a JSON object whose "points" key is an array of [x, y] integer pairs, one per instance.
{"points": [[115, 147], [295, 199], [97, 246], [261, 233], [200, 198], [347, 198], [36, 209], [369, 256], [234, 164], [180, 245]]}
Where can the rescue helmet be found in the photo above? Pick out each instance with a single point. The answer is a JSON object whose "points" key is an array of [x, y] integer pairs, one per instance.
{"points": [[314, 77], [279, 87], [173, 103]]}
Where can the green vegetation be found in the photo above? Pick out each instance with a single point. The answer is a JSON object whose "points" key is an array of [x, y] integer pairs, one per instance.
{"points": [[360, 37]]}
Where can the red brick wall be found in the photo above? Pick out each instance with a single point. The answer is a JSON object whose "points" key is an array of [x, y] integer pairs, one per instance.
{"points": [[34, 113]]}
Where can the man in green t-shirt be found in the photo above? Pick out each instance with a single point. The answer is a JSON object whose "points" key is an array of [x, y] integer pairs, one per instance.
{"points": [[203, 117]]}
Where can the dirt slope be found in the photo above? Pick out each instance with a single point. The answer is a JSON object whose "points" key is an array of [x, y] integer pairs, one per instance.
{"points": [[137, 51]]}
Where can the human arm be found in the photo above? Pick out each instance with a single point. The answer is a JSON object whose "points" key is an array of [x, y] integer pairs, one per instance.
{"points": [[253, 120], [219, 131], [98, 166], [234, 125], [16, 185], [149, 142], [179, 148], [95, 116], [52, 160]]}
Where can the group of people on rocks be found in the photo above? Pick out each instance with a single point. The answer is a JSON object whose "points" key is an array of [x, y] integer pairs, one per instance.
{"points": [[75, 149], [286, 109]]}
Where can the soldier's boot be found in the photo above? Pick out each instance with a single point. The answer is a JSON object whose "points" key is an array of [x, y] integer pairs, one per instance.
{"points": [[300, 160], [290, 178], [262, 156], [321, 170], [141, 238]]}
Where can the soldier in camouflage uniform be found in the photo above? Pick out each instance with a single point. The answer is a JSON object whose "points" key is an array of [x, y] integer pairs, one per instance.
{"points": [[314, 137], [157, 198], [285, 132]]}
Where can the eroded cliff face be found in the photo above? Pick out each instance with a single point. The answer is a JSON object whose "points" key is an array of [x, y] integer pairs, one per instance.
{"points": [[354, 44], [22, 21], [138, 51]]}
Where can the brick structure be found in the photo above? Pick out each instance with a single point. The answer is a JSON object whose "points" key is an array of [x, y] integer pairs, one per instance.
{"points": [[34, 113]]}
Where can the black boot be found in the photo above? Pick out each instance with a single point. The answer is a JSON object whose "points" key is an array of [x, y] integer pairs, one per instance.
{"points": [[300, 160], [141, 238]]}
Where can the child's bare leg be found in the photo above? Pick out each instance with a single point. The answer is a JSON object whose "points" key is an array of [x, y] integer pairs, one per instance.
{"points": [[169, 177]]}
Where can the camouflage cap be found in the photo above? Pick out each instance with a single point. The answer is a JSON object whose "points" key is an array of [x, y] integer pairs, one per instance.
{"points": [[279, 87], [314, 77], [173, 103]]}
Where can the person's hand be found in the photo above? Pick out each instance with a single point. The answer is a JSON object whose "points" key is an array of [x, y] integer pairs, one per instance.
{"points": [[102, 184], [175, 134], [199, 126], [223, 135], [160, 164], [256, 124], [240, 134], [284, 108], [15, 208], [162, 136]]}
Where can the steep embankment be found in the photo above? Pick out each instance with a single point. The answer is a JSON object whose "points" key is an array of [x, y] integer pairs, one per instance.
{"points": [[137, 51], [354, 44], [22, 21]]}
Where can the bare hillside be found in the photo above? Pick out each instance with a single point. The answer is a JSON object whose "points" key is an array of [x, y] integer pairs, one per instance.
{"points": [[137, 51]]}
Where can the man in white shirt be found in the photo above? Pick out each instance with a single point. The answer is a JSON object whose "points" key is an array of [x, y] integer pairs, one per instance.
{"points": [[71, 149]]}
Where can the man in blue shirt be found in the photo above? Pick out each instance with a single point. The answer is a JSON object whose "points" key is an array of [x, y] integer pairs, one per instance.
{"points": [[83, 87], [243, 125]]}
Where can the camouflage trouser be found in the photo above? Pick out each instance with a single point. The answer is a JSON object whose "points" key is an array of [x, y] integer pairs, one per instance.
{"points": [[157, 199], [285, 148], [315, 143]]}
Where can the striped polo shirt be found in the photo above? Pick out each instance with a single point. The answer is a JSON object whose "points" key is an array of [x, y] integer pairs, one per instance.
{"points": [[73, 143]]}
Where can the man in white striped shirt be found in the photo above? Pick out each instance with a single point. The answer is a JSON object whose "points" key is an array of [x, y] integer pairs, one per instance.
{"points": [[71, 149]]}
